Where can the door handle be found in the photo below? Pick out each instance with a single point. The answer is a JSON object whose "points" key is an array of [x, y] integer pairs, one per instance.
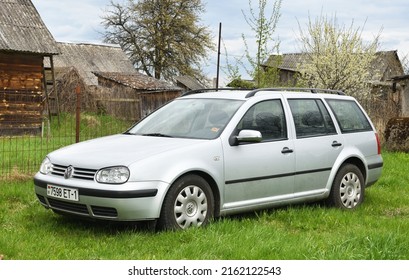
{"points": [[286, 150], [336, 144]]}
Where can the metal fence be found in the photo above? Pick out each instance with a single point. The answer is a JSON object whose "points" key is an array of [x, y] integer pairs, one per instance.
{"points": [[21, 155]]}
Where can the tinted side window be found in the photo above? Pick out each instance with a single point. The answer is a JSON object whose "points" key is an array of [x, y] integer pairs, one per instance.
{"points": [[349, 116], [266, 117], [311, 118]]}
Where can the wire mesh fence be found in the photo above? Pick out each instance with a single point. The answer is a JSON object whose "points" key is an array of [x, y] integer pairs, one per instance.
{"points": [[22, 151]]}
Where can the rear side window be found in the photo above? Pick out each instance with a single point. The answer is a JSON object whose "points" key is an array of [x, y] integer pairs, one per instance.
{"points": [[349, 116], [311, 118]]}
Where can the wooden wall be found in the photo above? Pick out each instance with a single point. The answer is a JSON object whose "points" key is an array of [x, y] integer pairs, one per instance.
{"points": [[21, 88], [152, 101], [128, 103]]}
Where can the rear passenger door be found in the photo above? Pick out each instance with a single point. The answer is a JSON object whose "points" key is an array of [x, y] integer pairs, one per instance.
{"points": [[317, 145]]}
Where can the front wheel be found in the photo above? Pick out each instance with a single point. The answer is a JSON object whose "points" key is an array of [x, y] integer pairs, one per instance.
{"points": [[348, 188], [188, 203]]}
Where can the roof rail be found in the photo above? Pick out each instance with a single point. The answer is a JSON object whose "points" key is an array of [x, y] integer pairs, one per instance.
{"points": [[195, 91], [312, 90]]}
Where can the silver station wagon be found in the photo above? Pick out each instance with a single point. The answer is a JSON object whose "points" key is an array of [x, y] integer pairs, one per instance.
{"points": [[210, 154]]}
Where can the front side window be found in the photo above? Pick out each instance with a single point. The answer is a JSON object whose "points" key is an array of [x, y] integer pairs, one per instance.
{"points": [[266, 117], [311, 118], [189, 118], [349, 116]]}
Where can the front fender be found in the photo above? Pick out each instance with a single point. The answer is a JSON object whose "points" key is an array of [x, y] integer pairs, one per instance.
{"points": [[206, 157]]}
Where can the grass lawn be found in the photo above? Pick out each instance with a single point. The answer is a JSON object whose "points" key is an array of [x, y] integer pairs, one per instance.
{"points": [[377, 230]]}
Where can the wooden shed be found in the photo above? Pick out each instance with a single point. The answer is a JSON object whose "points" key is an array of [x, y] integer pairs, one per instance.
{"points": [[24, 43], [401, 84], [188, 83], [74, 67], [109, 82], [132, 96]]}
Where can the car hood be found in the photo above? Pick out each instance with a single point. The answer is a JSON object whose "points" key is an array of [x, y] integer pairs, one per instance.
{"points": [[121, 149]]}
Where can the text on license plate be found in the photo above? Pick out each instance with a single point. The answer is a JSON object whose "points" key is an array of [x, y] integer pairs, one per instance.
{"points": [[63, 193]]}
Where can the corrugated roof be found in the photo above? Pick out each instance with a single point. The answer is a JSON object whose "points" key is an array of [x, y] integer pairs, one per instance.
{"points": [[138, 81], [88, 58], [23, 30]]}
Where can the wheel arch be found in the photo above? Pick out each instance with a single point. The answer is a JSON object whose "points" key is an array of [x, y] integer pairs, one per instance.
{"points": [[358, 163], [355, 160], [213, 185]]}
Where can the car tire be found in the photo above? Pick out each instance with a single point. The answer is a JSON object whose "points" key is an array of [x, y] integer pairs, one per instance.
{"points": [[348, 188], [188, 203]]}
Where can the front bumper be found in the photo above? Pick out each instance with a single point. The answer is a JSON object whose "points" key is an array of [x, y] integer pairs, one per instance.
{"points": [[132, 201]]}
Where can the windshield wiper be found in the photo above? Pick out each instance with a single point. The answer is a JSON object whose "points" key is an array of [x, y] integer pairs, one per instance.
{"points": [[157, 135]]}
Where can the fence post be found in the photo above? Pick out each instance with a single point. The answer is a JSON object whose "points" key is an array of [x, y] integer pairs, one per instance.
{"points": [[78, 114]]}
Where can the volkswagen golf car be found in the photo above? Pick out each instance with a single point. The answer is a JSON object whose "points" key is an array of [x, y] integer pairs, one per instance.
{"points": [[211, 154]]}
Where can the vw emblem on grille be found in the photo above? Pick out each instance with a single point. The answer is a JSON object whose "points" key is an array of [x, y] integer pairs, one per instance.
{"points": [[68, 172]]}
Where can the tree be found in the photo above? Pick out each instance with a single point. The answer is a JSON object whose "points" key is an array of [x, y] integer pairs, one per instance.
{"points": [[163, 38], [264, 28], [336, 57]]}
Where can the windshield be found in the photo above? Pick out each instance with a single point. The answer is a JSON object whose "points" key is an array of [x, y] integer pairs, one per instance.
{"points": [[188, 118]]}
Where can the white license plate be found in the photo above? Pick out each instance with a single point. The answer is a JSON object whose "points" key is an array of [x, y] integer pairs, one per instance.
{"points": [[63, 193]]}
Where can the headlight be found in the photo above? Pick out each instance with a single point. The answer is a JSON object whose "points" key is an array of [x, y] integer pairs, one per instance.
{"points": [[113, 175], [46, 166]]}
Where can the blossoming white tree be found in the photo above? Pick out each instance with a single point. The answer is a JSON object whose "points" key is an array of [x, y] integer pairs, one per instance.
{"points": [[337, 57]]}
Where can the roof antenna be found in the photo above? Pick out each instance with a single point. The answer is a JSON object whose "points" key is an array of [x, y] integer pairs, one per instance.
{"points": [[218, 57]]}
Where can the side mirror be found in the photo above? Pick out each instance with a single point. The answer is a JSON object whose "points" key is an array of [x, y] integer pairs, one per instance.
{"points": [[247, 136]]}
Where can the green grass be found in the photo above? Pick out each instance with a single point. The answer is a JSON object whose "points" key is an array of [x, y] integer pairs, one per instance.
{"points": [[377, 230]]}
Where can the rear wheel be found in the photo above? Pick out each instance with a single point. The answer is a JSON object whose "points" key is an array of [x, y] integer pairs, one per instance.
{"points": [[348, 188], [189, 203]]}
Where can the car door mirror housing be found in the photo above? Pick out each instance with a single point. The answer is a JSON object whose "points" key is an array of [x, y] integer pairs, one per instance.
{"points": [[248, 136]]}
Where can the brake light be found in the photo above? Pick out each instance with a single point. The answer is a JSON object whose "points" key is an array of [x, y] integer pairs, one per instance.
{"points": [[378, 143]]}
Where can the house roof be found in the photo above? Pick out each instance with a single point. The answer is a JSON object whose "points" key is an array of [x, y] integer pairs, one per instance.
{"points": [[22, 29], [138, 81], [288, 61], [189, 82], [386, 62], [89, 58]]}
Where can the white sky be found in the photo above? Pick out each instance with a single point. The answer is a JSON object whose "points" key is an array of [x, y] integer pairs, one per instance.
{"points": [[80, 21]]}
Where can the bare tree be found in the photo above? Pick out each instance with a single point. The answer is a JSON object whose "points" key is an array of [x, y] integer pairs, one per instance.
{"points": [[163, 38], [337, 57]]}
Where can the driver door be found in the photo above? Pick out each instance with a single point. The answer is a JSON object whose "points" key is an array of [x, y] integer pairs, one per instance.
{"points": [[259, 173]]}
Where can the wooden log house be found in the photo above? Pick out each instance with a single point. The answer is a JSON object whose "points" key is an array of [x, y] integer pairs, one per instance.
{"points": [[24, 44]]}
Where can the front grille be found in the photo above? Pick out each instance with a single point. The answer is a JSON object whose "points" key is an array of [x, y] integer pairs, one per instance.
{"points": [[68, 206], [104, 211], [42, 199], [79, 173]]}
